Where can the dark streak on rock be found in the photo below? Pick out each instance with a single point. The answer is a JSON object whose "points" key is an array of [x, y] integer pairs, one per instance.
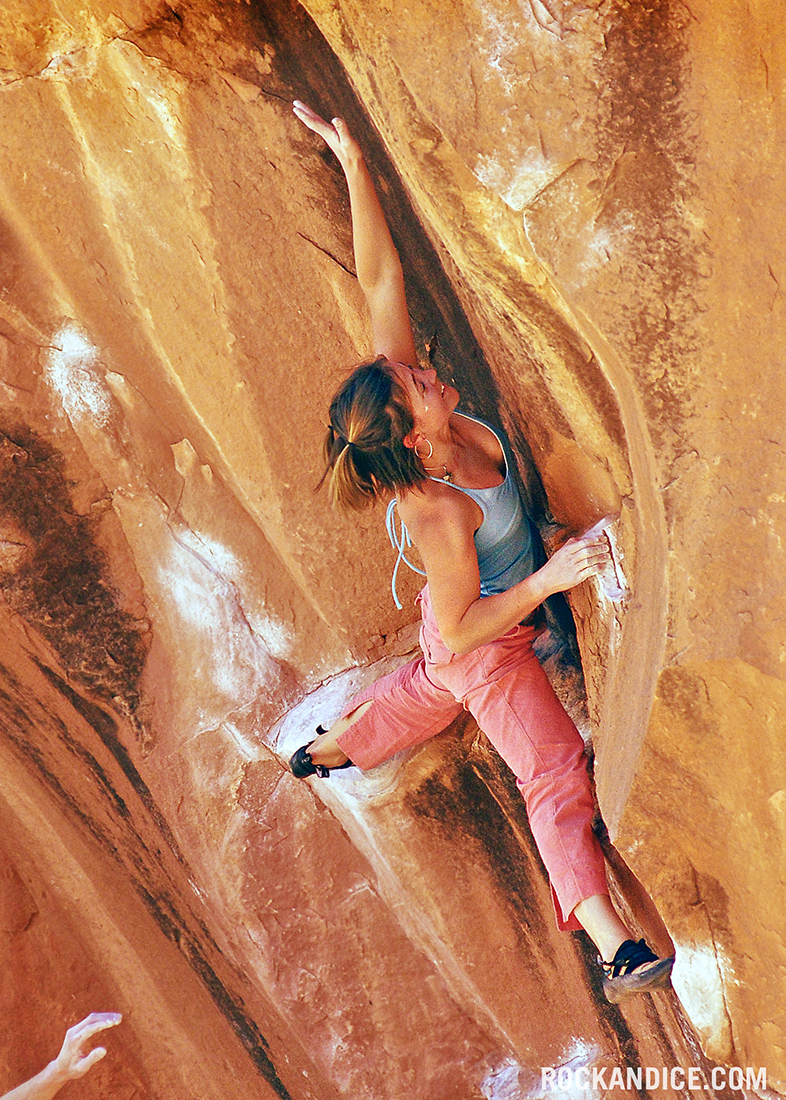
{"points": [[479, 798], [231, 1007], [106, 728], [611, 1018], [10, 709], [61, 587]]}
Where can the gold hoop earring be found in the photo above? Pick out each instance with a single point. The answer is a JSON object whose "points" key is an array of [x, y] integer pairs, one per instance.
{"points": [[425, 458]]}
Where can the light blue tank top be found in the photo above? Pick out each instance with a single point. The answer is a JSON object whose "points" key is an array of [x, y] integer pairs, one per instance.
{"points": [[504, 543]]}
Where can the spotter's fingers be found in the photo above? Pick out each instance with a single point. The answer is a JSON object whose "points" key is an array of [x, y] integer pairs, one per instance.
{"points": [[88, 1061]]}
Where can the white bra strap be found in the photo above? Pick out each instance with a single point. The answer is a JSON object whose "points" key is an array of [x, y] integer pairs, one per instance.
{"points": [[400, 541]]}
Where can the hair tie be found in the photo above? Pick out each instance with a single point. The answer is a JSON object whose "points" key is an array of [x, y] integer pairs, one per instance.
{"points": [[336, 433], [346, 446]]}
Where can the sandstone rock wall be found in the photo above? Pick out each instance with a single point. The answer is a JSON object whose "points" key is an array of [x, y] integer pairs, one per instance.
{"points": [[586, 199]]}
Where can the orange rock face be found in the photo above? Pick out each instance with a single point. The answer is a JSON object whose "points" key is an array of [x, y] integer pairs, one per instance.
{"points": [[586, 198]]}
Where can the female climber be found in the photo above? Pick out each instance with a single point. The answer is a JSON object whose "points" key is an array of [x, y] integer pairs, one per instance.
{"points": [[396, 435]]}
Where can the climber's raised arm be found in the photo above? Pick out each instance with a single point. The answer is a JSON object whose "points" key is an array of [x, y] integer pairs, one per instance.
{"points": [[376, 259]]}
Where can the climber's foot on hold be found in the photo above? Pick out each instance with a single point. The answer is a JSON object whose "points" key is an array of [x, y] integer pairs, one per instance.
{"points": [[634, 969], [302, 766]]}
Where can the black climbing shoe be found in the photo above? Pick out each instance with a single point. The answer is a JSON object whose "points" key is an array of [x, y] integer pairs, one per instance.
{"points": [[634, 969], [302, 766]]}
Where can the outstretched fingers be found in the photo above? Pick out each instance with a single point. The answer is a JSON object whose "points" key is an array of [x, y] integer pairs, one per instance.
{"points": [[92, 1024], [335, 133], [311, 119]]}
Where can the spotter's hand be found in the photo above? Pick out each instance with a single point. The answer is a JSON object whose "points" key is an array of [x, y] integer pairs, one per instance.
{"points": [[74, 1060]]}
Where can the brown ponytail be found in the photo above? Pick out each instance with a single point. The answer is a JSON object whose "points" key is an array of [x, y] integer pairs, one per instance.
{"points": [[365, 455]]}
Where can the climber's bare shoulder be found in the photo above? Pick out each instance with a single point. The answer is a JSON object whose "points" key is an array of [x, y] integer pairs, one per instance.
{"points": [[441, 522]]}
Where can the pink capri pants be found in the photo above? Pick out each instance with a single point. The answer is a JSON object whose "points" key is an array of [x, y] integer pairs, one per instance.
{"points": [[504, 688]]}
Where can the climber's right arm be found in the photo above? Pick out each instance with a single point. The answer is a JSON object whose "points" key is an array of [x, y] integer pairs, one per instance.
{"points": [[376, 258]]}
